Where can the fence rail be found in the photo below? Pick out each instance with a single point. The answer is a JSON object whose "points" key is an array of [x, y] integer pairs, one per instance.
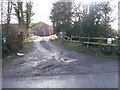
{"points": [[88, 41]]}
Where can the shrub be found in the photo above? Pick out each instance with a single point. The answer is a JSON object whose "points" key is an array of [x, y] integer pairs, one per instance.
{"points": [[107, 50]]}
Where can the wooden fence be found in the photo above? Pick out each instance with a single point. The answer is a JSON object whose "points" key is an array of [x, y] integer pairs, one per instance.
{"points": [[91, 41]]}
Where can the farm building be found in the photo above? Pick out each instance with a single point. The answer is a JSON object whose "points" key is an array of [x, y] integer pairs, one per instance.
{"points": [[42, 29]]}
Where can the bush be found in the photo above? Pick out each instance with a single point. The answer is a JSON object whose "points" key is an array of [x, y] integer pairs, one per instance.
{"points": [[5, 48], [107, 50], [13, 39], [75, 38]]}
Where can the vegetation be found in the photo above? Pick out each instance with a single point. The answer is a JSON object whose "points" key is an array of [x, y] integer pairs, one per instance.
{"points": [[61, 17], [99, 51], [91, 23], [91, 20], [10, 54], [24, 17], [13, 36], [99, 20], [84, 21]]}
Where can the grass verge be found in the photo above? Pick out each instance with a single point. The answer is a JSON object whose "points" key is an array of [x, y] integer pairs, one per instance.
{"points": [[91, 50], [11, 55], [26, 45]]}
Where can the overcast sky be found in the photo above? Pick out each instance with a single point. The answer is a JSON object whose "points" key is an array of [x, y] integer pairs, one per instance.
{"points": [[42, 9]]}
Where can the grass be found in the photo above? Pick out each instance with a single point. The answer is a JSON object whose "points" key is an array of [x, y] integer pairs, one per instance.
{"points": [[91, 50], [88, 37], [11, 55], [26, 45], [97, 43]]}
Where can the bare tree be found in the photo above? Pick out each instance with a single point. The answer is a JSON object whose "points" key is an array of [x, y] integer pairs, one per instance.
{"points": [[9, 11], [28, 14], [6, 11], [19, 13]]}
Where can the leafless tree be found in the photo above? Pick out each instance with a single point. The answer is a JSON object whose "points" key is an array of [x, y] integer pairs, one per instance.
{"points": [[6, 11]]}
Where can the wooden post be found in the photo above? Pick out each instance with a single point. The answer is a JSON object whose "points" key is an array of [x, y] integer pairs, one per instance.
{"points": [[99, 42], [79, 41], [88, 42], [20, 40]]}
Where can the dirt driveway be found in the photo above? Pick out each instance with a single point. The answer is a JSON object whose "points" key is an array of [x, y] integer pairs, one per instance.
{"points": [[48, 65]]}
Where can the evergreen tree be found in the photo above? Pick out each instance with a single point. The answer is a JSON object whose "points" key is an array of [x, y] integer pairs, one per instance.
{"points": [[61, 17]]}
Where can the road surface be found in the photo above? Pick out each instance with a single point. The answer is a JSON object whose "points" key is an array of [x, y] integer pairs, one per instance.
{"points": [[47, 65]]}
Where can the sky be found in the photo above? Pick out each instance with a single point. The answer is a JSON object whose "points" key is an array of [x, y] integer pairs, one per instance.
{"points": [[42, 9]]}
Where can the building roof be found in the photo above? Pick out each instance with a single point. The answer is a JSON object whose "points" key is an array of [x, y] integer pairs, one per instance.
{"points": [[41, 25]]}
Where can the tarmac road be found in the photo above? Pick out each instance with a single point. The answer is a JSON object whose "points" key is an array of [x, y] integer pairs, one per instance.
{"points": [[47, 65]]}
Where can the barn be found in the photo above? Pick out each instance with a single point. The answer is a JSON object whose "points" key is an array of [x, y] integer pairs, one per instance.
{"points": [[42, 29]]}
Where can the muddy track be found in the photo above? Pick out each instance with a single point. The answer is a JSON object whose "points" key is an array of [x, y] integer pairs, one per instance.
{"points": [[45, 54], [46, 58]]}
